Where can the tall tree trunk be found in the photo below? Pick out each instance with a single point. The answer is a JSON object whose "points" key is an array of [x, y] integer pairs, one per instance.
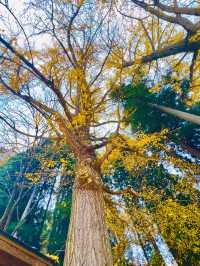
{"points": [[161, 246], [43, 248], [8, 208], [25, 213], [88, 242], [180, 114], [142, 244], [9, 217]]}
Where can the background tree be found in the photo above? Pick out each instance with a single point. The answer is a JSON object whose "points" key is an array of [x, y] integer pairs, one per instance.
{"points": [[174, 12], [144, 116], [35, 210]]}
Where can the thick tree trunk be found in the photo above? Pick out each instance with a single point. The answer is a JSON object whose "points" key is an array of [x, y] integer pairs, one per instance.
{"points": [[88, 242]]}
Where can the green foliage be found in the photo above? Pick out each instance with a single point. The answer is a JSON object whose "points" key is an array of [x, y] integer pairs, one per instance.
{"points": [[48, 226], [171, 200], [137, 100], [58, 234], [18, 165], [33, 225], [156, 260]]}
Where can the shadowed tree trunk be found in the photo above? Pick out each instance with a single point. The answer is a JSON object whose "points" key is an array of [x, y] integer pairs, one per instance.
{"points": [[8, 209], [9, 216], [25, 213], [12, 207], [46, 211], [88, 242], [142, 244]]}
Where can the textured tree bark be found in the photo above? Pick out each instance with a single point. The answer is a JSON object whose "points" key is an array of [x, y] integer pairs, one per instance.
{"points": [[88, 242]]}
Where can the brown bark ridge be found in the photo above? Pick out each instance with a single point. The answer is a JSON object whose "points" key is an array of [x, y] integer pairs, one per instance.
{"points": [[88, 242]]}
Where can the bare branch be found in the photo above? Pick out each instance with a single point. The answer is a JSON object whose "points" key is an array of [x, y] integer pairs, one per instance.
{"points": [[16, 129], [184, 22], [179, 10]]}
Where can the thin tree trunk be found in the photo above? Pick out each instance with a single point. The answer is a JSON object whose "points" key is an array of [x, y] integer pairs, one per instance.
{"points": [[167, 255], [180, 114], [46, 210], [25, 213], [184, 116], [9, 216], [8, 209], [88, 242], [154, 244], [16, 201], [142, 244]]}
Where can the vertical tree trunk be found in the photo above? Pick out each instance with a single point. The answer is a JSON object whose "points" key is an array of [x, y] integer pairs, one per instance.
{"points": [[42, 247], [25, 213], [8, 209], [88, 242], [161, 247], [9, 217], [142, 244]]}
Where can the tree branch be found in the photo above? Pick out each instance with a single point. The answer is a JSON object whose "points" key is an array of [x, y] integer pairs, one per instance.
{"points": [[179, 10], [184, 22], [18, 130], [183, 46]]}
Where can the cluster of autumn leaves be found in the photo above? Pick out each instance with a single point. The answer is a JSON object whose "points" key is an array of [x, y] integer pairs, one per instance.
{"points": [[161, 203]]}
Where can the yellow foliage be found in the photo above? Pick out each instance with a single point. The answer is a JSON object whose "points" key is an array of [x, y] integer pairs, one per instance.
{"points": [[79, 120], [115, 59], [53, 257], [195, 37], [33, 177], [37, 118], [132, 152], [176, 38], [156, 88], [2, 89], [180, 227], [14, 82], [63, 161]]}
